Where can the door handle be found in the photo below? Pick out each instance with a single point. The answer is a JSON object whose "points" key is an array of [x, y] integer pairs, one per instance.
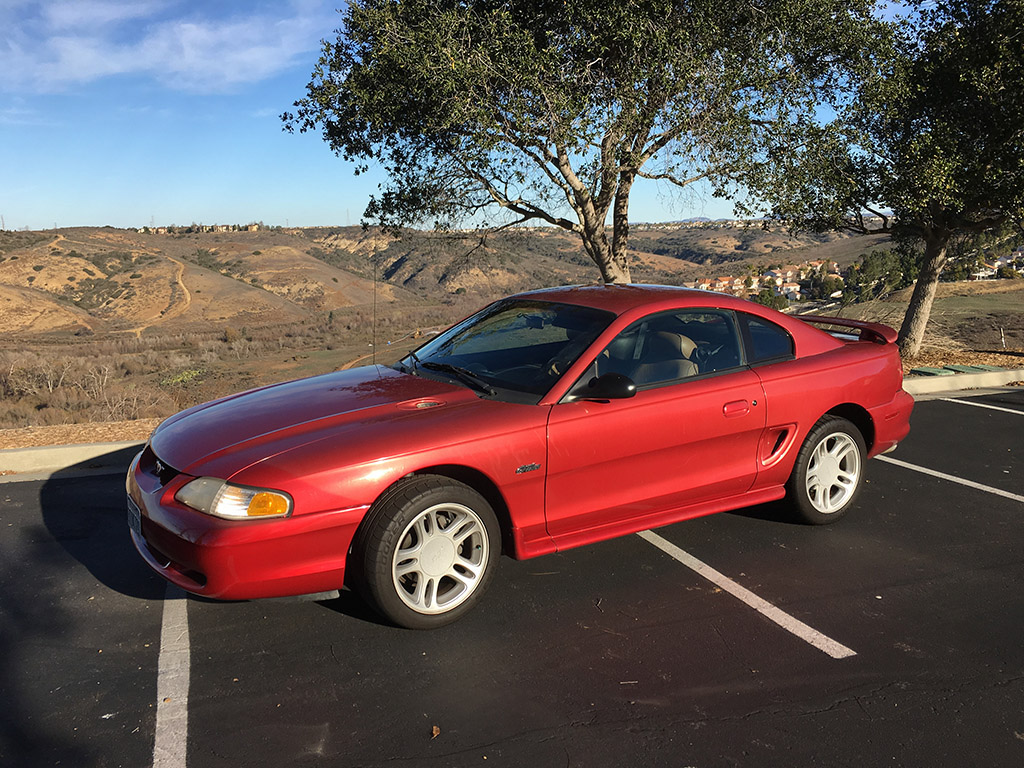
{"points": [[736, 408]]}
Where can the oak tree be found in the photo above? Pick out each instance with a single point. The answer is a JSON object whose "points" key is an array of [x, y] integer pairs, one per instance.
{"points": [[932, 147], [549, 112]]}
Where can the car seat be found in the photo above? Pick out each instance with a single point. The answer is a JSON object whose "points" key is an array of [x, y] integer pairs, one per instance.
{"points": [[665, 357]]}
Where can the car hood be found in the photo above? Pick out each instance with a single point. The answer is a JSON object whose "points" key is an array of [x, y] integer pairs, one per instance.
{"points": [[224, 436]]}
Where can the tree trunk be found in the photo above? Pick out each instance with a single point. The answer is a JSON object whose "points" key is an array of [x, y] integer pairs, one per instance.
{"points": [[616, 273], [595, 242], [914, 322], [620, 224]]}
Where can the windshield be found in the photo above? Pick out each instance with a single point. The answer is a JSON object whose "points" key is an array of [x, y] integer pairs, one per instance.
{"points": [[513, 349]]}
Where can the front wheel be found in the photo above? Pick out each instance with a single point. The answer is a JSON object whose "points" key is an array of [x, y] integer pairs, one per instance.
{"points": [[829, 471], [427, 552]]}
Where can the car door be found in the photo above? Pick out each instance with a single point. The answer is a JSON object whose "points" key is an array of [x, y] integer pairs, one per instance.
{"points": [[689, 435]]}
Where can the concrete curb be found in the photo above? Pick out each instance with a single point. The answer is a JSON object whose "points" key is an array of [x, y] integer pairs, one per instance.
{"points": [[19, 464], [23, 464], [929, 385]]}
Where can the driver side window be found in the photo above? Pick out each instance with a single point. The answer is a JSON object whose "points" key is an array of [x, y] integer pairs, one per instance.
{"points": [[673, 346]]}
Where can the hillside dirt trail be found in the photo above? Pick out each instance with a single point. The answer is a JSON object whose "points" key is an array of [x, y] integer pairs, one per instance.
{"points": [[173, 309]]}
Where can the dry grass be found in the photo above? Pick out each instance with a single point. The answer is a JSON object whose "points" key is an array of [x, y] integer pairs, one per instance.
{"points": [[73, 434]]}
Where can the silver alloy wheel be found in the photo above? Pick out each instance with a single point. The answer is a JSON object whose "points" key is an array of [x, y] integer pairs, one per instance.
{"points": [[440, 559], [833, 473]]}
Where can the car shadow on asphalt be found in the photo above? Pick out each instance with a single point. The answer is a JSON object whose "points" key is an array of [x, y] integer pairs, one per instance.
{"points": [[80, 519], [774, 512], [349, 603], [84, 511]]}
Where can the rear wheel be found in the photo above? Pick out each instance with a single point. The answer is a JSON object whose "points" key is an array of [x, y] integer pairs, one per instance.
{"points": [[829, 471], [428, 552]]}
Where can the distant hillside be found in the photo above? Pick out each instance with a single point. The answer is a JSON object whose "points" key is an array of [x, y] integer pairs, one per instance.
{"points": [[522, 259], [107, 280], [712, 246], [103, 280]]}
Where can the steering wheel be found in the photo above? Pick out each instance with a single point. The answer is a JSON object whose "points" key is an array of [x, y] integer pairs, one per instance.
{"points": [[702, 354], [554, 367]]}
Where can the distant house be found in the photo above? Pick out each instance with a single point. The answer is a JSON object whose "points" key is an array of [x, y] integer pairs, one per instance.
{"points": [[792, 272], [987, 272], [791, 291], [722, 283]]}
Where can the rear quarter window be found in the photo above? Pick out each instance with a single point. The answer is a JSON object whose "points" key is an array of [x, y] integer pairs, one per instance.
{"points": [[767, 341]]}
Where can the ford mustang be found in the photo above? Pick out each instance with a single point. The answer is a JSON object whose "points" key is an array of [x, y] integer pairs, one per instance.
{"points": [[545, 421]]}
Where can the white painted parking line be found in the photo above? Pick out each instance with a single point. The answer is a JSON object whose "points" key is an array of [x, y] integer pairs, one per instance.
{"points": [[982, 405], [790, 624], [171, 742], [952, 478]]}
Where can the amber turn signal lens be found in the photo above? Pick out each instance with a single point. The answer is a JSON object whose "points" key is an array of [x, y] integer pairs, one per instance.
{"points": [[264, 504]]}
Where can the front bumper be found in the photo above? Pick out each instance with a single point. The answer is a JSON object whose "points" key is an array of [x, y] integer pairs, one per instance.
{"points": [[236, 560]]}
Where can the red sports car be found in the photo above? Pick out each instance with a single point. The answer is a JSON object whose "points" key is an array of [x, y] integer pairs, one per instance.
{"points": [[545, 421]]}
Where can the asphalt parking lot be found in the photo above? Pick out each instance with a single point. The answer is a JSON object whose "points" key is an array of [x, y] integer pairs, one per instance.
{"points": [[613, 655]]}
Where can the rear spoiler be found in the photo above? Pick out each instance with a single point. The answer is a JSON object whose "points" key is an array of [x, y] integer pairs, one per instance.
{"points": [[875, 332]]}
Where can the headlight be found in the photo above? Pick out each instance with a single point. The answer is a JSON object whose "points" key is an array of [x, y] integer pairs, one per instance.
{"points": [[233, 502]]}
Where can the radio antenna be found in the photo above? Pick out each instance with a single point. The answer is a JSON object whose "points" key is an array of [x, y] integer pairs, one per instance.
{"points": [[373, 332]]}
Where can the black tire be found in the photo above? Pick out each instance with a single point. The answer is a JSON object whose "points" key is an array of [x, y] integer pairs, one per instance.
{"points": [[829, 471], [462, 538]]}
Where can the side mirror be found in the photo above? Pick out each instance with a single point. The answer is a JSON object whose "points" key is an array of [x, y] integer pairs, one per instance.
{"points": [[610, 386]]}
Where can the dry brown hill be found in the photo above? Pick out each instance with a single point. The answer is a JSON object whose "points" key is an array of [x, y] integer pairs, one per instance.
{"points": [[93, 280], [105, 280]]}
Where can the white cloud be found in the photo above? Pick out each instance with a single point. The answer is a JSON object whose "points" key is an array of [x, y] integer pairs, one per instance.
{"points": [[56, 46], [92, 14], [18, 115]]}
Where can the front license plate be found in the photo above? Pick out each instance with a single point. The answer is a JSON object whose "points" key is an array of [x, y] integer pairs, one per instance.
{"points": [[134, 517]]}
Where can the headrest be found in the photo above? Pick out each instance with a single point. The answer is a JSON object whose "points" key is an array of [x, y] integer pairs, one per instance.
{"points": [[667, 343]]}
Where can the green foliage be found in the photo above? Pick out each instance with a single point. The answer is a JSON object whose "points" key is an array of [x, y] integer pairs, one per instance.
{"points": [[821, 285], [550, 111], [205, 258], [878, 273], [187, 376], [769, 298], [931, 143], [111, 262], [14, 241], [93, 292], [933, 137]]}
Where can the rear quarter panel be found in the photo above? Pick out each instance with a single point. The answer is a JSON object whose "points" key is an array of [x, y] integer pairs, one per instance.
{"points": [[801, 391]]}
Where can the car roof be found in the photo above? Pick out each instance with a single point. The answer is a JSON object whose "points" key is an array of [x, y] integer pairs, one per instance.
{"points": [[621, 298]]}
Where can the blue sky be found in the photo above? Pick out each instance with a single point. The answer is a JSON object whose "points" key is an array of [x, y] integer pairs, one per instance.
{"points": [[167, 111]]}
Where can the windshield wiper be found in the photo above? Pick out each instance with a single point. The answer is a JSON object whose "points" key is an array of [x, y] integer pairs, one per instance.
{"points": [[464, 375], [410, 368]]}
